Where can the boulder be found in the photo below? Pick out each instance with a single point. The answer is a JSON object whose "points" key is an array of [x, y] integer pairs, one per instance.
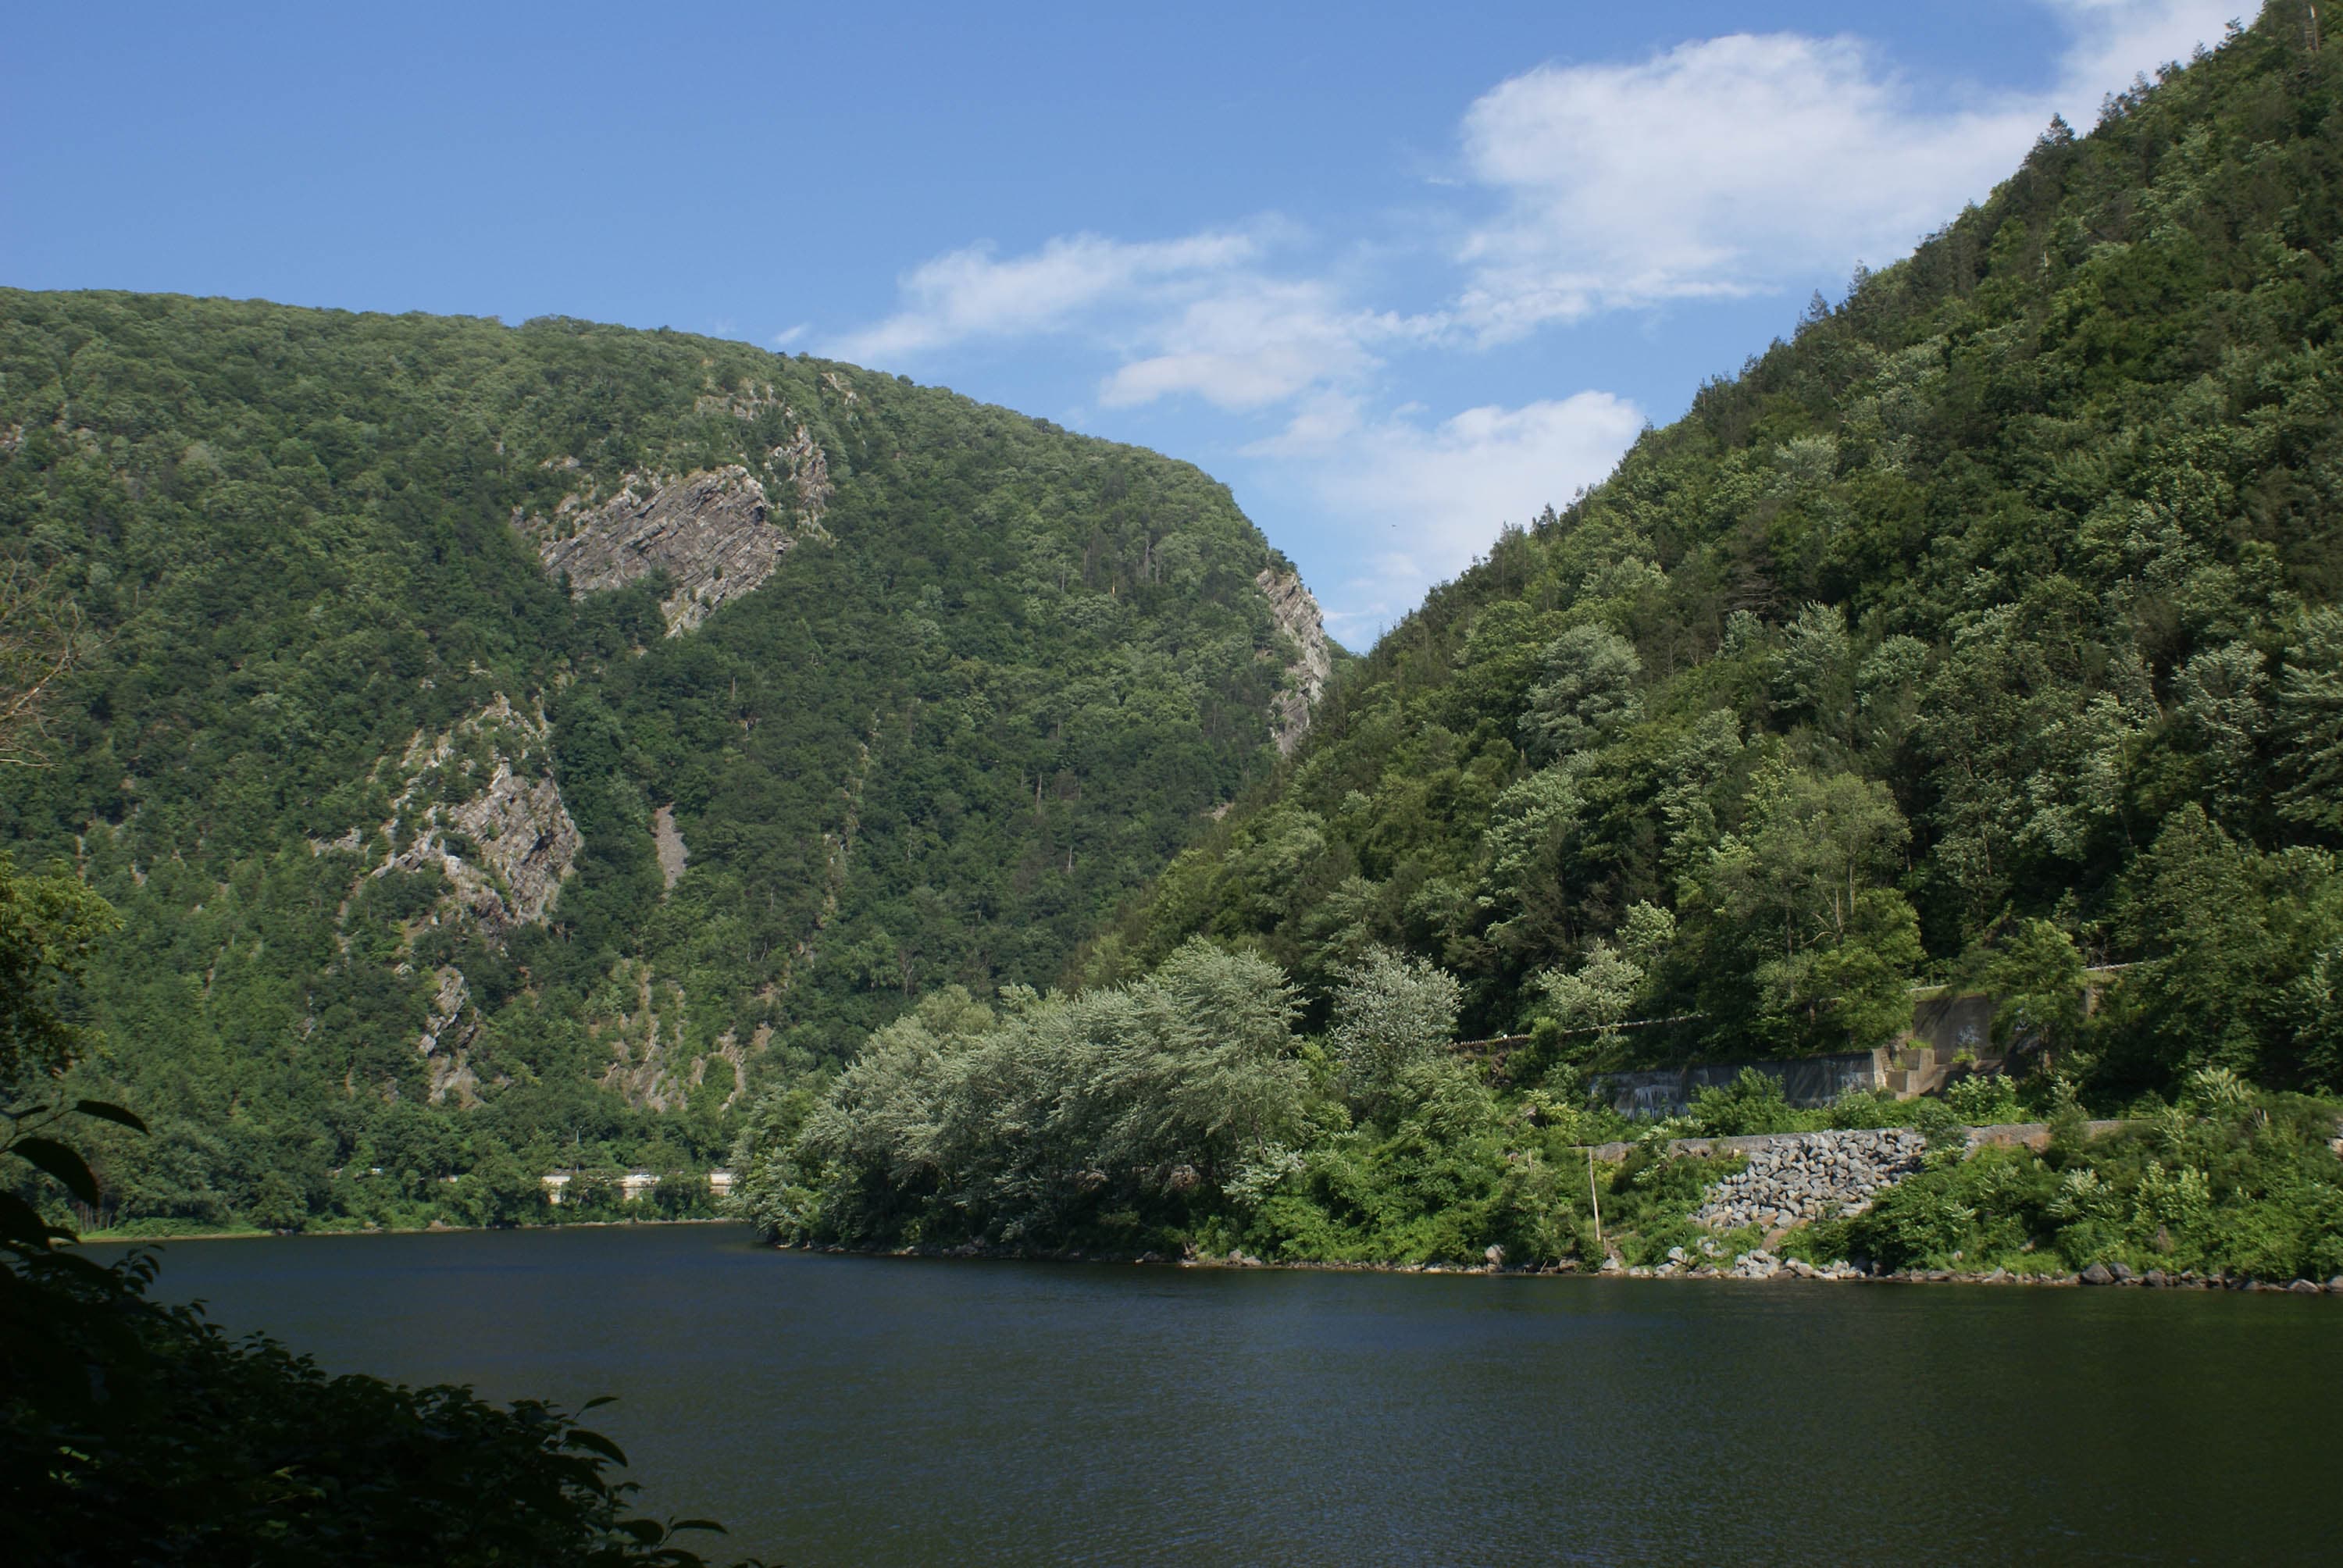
{"points": [[2097, 1274]]}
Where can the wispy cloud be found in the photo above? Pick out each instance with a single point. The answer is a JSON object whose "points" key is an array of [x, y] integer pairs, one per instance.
{"points": [[1258, 341], [790, 335], [1424, 497], [1721, 168], [1727, 165], [974, 293], [1714, 168]]}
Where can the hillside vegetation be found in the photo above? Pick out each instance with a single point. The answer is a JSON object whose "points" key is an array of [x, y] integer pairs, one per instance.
{"points": [[1991, 616], [1984, 629], [506, 747]]}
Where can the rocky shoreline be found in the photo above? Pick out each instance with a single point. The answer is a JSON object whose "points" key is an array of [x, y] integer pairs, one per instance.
{"points": [[1755, 1264]]}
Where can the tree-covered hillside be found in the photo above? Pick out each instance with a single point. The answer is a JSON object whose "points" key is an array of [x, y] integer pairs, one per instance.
{"points": [[1986, 626], [505, 745]]}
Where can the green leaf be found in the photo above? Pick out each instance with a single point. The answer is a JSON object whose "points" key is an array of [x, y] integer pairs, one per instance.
{"points": [[106, 1112], [61, 1162], [647, 1531], [598, 1401], [709, 1525], [21, 1224], [595, 1442]]}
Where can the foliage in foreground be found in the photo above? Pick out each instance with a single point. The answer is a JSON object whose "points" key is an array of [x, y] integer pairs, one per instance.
{"points": [[135, 1432]]}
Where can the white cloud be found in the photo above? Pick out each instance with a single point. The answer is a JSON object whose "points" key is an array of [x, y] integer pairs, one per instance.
{"points": [[1256, 342], [1728, 166], [968, 294], [1200, 315], [1425, 499], [2114, 40], [787, 336], [1720, 167]]}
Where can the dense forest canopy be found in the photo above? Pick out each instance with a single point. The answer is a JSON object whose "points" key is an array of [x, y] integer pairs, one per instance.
{"points": [[429, 868], [1984, 628]]}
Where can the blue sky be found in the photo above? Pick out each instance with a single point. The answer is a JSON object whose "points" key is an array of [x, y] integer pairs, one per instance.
{"points": [[1398, 276]]}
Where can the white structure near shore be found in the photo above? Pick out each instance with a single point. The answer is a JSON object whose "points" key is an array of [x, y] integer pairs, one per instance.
{"points": [[632, 1186]]}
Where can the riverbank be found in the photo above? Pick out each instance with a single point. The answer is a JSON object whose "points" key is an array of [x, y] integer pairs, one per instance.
{"points": [[436, 1228], [1757, 1265]]}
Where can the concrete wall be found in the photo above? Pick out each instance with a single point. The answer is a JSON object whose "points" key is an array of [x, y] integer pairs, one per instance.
{"points": [[1805, 1081]]}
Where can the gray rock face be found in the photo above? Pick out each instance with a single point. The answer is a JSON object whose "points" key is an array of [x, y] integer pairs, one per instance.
{"points": [[1296, 613], [711, 532], [507, 845], [673, 853], [447, 1035], [504, 849], [2097, 1274], [1813, 1176]]}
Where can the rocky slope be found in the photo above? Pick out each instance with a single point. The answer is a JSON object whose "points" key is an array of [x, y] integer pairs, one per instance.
{"points": [[1295, 610]]}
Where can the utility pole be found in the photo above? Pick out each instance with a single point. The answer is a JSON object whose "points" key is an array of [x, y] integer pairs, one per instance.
{"points": [[1597, 1199]]}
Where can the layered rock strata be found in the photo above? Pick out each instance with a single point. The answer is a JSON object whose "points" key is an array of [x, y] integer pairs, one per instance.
{"points": [[711, 532]]}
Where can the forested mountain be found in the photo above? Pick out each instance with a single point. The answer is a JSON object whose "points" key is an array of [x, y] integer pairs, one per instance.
{"points": [[506, 746], [1986, 627], [1990, 619]]}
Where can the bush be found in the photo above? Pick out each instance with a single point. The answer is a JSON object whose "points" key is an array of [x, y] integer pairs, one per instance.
{"points": [[1752, 1103]]}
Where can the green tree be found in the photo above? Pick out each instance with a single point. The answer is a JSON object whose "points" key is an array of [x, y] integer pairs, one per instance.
{"points": [[1587, 691], [1391, 1012]]}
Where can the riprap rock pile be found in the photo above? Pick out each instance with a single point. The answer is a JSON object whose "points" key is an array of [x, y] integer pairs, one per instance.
{"points": [[1811, 1176]]}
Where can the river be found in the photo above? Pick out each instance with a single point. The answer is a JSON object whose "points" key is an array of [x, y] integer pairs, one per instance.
{"points": [[869, 1410]]}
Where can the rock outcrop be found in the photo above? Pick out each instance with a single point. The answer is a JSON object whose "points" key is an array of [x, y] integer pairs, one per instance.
{"points": [[445, 1040], [1296, 613], [674, 854], [711, 532], [508, 842], [642, 1022]]}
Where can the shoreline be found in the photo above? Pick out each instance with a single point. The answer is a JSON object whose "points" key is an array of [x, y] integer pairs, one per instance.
{"points": [[1772, 1271], [1758, 1268], [115, 1238]]}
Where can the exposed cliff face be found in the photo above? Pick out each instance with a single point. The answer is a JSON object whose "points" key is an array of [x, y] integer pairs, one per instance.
{"points": [[1296, 612], [507, 843], [711, 531], [446, 1037]]}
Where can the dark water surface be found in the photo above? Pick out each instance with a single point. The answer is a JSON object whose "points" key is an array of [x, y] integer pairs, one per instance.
{"points": [[880, 1410]]}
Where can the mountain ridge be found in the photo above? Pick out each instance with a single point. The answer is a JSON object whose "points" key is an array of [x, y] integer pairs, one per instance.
{"points": [[478, 713]]}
